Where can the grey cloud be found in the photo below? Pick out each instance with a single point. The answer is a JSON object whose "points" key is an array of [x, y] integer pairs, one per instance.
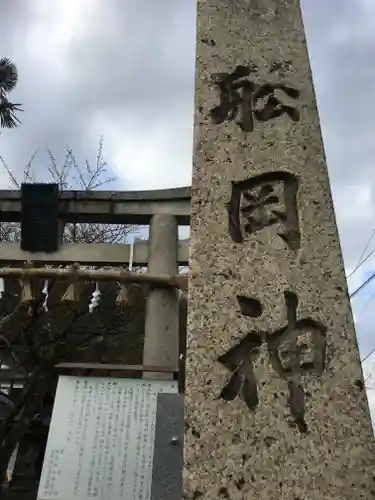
{"points": [[137, 67], [341, 48], [134, 67], [14, 18]]}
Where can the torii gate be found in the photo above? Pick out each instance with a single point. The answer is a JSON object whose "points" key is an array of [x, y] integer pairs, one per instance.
{"points": [[43, 211]]}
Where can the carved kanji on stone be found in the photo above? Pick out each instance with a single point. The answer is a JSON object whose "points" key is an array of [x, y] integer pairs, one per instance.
{"points": [[240, 96], [296, 350], [262, 201]]}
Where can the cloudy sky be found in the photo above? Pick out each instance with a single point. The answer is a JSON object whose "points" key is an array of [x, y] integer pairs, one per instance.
{"points": [[123, 69]]}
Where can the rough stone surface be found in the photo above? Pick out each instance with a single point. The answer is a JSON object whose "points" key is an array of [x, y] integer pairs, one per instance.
{"points": [[232, 452]]}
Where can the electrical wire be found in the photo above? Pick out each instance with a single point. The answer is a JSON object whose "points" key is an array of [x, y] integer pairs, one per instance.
{"points": [[367, 303], [362, 286], [365, 283], [368, 355], [359, 263]]}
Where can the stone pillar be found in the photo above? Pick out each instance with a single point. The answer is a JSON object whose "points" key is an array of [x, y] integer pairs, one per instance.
{"points": [[161, 324], [275, 399]]}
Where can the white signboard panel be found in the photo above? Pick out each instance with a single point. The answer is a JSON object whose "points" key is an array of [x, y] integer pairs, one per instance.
{"points": [[101, 439]]}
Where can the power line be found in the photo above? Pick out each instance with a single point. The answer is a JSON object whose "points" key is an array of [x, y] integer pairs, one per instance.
{"points": [[367, 303], [368, 355], [364, 284], [366, 247], [359, 263]]}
